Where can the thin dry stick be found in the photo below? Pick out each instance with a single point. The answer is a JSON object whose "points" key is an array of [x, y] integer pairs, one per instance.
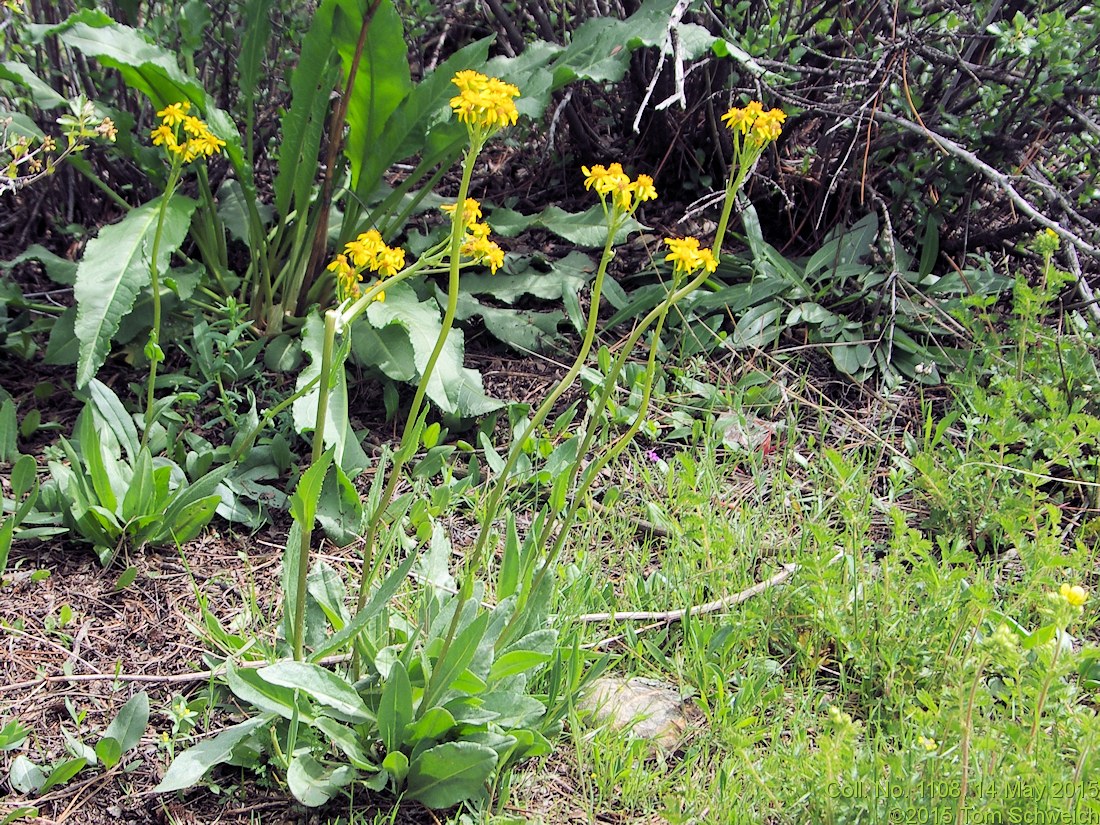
{"points": [[169, 679], [670, 616]]}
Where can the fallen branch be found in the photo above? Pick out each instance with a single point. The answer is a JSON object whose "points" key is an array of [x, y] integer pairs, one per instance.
{"points": [[669, 616]]}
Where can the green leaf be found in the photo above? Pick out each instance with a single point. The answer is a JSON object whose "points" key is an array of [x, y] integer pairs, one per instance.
{"points": [[191, 765], [102, 466], [378, 601], [452, 387], [63, 773], [9, 431], [60, 270], [114, 267], [128, 727], [346, 740], [327, 589], [518, 661], [321, 686], [433, 725], [338, 431], [266, 697], [340, 509], [303, 504], [450, 773], [109, 752], [12, 735], [395, 709], [457, 658], [125, 579], [508, 578], [312, 784], [43, 95], [532, 277], [24, 776], [22, 812], [407, 127], [397, 764], [587, 229], [24, 476], [139, 496], [111, 412], [382, 82]]}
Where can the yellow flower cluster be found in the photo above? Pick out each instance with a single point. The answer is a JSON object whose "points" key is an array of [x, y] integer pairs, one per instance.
{"points": [[762, 127], [626, 194], [471, 211], [368, 251], [482, 102], [477, 245], [1074, 594], [475, 242], [191, 141], [686, 256]]}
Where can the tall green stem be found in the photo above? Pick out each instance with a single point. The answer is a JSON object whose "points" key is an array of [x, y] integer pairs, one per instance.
{"points": [[153, 351], [306, 528], [466, 588], [411, 431]]}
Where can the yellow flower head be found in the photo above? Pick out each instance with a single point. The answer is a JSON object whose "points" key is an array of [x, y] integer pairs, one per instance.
{"points": [[365, 249], [163, 135], [686, 256], [1074, 594], [485, 103], [484, 251], [643, 188], [174, 113], [471, 211], [347, 278], [752, 119], [193, 141], [927, 743], [625, 193]]}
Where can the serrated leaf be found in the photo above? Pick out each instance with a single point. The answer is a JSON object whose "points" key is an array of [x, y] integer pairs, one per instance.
{"points": [[114, 268]]}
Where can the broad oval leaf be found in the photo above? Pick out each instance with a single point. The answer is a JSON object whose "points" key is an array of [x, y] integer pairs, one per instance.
{"points": [[321, 685], [191, 765], [451, 773], [114, 268]]}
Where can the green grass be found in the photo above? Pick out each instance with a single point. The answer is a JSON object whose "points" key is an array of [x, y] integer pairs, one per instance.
{"points": [[913, 669]]}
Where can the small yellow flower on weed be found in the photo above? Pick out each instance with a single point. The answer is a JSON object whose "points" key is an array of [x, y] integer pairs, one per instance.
{"points": [[484, 103], [1074, 594], [643, 188], [193, 141], [174, 113], [752, 121], [471, 211], [927, 743], [626, 194], [686, 256]]}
